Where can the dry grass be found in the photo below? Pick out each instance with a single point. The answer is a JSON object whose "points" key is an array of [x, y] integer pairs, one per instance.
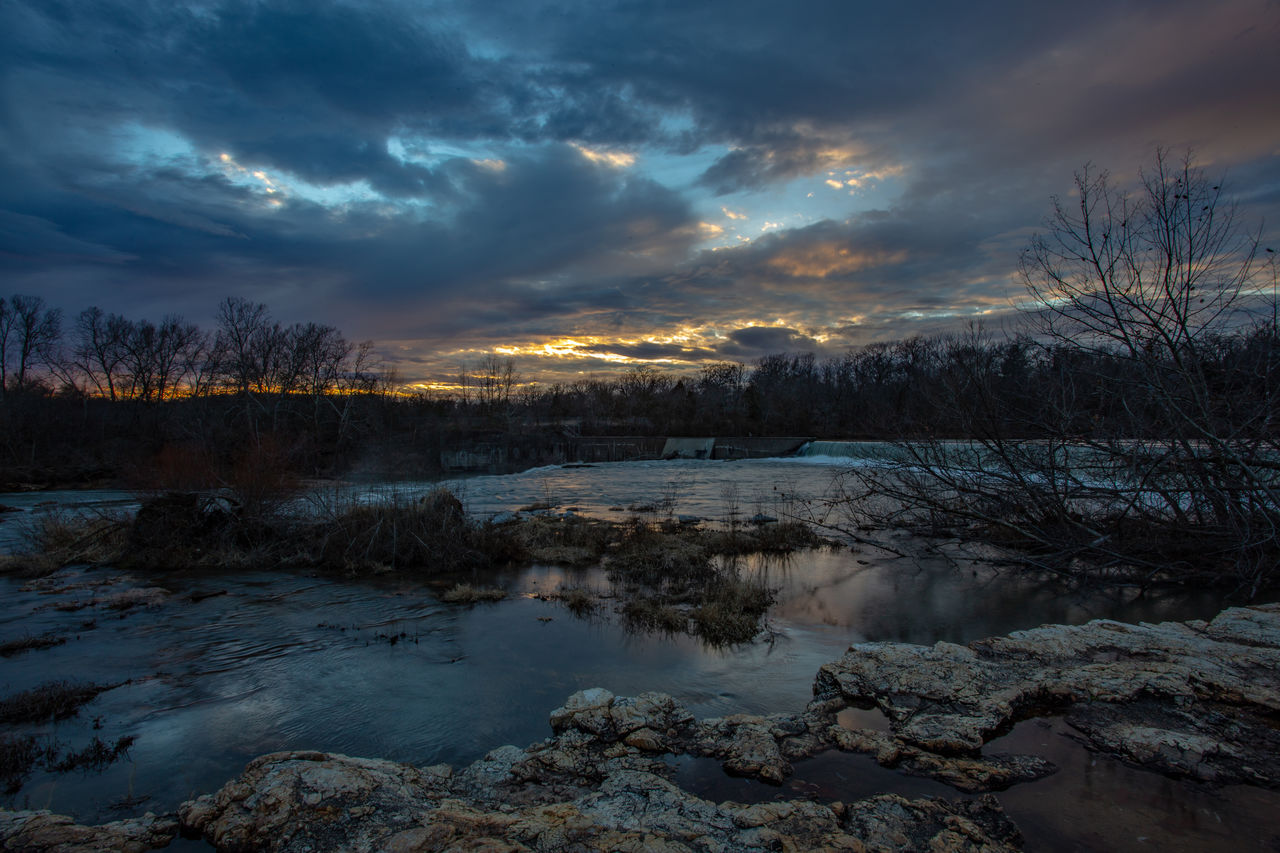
{"points": [[52, 540], [572, 541], [30, 642], [465, 593], [98, 755], [426, 534], [54, 700], [669, 577], [671, 582], [671, 558], [18, 755], [732, 612], [780, 537], [581, 602], [655, 614]]}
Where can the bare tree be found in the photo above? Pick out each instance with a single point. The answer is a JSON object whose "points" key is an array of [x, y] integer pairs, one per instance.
{"points": [[1148, 295], [319, 355], [159, 356], [29, 335], [241, 326], [99, 350]]}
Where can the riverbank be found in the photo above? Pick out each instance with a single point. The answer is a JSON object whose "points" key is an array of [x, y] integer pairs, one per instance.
{"points": [[1190, 700]]}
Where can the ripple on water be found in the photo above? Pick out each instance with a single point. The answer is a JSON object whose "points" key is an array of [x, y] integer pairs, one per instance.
{"points": [[284, 661]]}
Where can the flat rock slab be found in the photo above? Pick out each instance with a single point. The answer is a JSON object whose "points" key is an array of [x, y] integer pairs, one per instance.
{"points": [[1196, 699], [296, 801], [43, 832]]}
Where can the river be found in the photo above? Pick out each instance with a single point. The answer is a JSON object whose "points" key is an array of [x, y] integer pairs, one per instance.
{"points": [[216, 669]]}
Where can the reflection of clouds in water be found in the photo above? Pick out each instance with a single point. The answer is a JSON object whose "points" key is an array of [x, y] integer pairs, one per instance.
{"points": [[283, 661]]}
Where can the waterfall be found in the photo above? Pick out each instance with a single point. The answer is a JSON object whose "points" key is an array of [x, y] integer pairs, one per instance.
{"points": [[851, 449]]}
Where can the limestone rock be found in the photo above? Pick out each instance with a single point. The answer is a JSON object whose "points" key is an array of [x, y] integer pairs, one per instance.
{"points": [[1191, 699], [311, 801], [747, 746], [41, 831], [294, 802]]}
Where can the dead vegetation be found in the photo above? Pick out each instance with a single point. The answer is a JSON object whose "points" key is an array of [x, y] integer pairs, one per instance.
{"points": [[21, 754], [56, 539], [465, 593], [18, 755], [54, 700], [30, 642], [98, 755], [581, 602], [668, 576]]}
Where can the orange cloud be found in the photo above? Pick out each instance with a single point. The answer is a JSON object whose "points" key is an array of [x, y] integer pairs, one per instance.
{"points": [[826, 259]]}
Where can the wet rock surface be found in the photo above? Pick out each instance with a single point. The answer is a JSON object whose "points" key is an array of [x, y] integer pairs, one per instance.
{"points": [[40, 831], [315, 801], [1195, 699], [598, 784]]}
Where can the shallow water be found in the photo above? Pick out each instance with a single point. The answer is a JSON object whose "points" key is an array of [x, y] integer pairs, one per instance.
{"points": [[226, 668]]}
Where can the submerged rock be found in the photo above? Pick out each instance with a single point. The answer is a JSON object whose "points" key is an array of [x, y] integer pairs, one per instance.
{"points": [[1189, 699]]}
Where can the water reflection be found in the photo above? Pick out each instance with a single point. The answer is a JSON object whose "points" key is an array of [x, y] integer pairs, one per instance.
{"points": [[228, 668], [1112, 806]]}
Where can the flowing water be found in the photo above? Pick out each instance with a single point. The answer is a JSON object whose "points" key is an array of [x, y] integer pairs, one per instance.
{"points": [[214, 669]]}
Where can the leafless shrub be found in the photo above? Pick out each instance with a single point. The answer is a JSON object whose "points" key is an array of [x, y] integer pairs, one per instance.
{"points": [[1154, 457]]}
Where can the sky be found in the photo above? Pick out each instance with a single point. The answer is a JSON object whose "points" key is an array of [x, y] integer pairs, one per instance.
{"points": [[586, 187]]}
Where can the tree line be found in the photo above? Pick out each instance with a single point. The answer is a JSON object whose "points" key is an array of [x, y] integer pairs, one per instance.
{"points": [[112, 398], [1131, 424], [111, 356], [306, 382]]}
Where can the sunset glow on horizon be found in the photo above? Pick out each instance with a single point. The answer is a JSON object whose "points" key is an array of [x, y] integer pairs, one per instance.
{"points": [[591, 189]]}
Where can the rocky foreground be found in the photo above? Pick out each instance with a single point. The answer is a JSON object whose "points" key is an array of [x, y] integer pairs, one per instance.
{"points": [[1196, 699]]}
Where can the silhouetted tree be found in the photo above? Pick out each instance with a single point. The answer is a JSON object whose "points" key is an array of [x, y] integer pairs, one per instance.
{"points": [[29, 335], [1151, 447]]}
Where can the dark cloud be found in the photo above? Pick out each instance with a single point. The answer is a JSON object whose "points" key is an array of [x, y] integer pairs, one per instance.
{"points": [[755, 341], [114, 114]]}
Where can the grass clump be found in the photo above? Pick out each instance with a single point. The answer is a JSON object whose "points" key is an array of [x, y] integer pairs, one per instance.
{"points": [[572, 541], [52, 540], [19, 754], [780, 537], [30, 642], [579, 601], [430, 535], [672, 581], [732, 613], [55, 700], [654, 613], [430, 532], [182, 529], [677, 561], [97, 756], [465, 593]]}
